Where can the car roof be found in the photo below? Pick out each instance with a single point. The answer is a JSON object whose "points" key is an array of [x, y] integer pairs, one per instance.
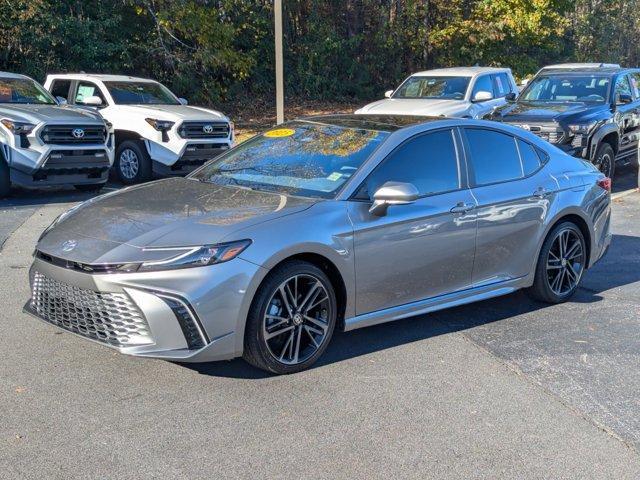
{"points": [[577, 68], [13, 75], [102, 77], [383, 123], [461, 71]]}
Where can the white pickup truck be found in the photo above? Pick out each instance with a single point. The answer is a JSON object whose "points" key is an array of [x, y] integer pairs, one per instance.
{"points": [[467, 92], [156, 133], [45, 144]]}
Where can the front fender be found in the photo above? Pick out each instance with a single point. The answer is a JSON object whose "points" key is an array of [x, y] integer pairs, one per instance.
{"points": [[600, 133]]}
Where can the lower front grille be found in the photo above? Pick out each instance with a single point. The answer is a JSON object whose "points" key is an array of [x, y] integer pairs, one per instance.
{"points": [[110, 318]]}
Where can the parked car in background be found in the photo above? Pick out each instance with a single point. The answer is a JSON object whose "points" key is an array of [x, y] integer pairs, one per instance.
{"points": [[590, 111], [327, 222], [468, 92], [44, 144], [155, 131]]}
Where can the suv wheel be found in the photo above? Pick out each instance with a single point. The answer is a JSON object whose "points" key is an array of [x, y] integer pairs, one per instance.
{"points": [[5, 179], [560, 265], [605, 159], [291, 319], [132, 164]]}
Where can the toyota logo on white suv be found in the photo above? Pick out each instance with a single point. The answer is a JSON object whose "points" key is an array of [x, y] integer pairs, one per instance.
{"points": [[77, 133], [207, 128]]}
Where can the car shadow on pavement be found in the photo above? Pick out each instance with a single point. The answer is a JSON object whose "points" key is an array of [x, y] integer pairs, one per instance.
{"points": [[612, 272]]}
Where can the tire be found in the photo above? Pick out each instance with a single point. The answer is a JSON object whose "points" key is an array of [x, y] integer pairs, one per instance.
{"points": [[311, 331], [551, 285], [133, 164], [605, 159], [92, 188], [5, 178]]}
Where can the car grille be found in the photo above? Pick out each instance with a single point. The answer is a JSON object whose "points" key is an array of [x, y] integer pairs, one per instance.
{"points": [[550, 133], [204, 130], [73, 134], [110, 318]]}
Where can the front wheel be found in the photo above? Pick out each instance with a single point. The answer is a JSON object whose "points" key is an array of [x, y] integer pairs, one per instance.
{"points": [[605, 159], [560, 266], [291, 320], [133, 164]]}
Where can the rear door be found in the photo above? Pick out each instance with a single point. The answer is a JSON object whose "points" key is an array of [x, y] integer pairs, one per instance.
{"points": [[423, 249], [513, 193]]}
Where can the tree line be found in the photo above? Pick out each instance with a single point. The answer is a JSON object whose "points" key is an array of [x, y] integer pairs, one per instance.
{"points": [[215, 51]]}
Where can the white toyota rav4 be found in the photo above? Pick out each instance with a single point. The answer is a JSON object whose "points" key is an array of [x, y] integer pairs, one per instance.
{"points": [[468, 92], [155, 131]]}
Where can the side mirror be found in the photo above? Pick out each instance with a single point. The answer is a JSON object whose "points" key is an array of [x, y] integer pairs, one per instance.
{"points": [[510, 97], [393, 193], [183, 101], [624, 98], [92, 101], [482, 96], [61, 100], [388, 93]]}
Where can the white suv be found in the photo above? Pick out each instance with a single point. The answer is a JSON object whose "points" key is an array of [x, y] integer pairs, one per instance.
{"points": [[155, 131], [468, 92]]}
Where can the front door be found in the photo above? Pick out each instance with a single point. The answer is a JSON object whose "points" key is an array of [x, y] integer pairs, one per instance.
{"points": [[627, 116], [420, 250]]}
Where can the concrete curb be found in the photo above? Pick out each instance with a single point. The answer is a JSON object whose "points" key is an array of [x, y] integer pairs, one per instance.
{"points": [[624, 193]]}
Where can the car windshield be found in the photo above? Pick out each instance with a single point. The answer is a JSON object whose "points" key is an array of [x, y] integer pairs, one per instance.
{"points": [[298, 158], [452, 88], [567, 88], [137, 93], [24, 90]]}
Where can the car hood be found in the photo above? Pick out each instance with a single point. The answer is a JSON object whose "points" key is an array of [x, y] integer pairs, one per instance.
{"points": [[113, 228], [410, 106], [48, 113], [175, 112], [545, 112]]}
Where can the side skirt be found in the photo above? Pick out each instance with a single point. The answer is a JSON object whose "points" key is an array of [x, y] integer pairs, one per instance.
{"points": [[433, 304]]}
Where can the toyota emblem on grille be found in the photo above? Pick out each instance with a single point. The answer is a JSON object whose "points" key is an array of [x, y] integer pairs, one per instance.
{"points": [[207, 128], [69, 245], [77, 133]]}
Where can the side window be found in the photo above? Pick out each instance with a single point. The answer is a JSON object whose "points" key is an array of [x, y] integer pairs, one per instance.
{"points": [[60, 88], [502, 85], [428, 161], [88, 89], [635, 83], [622, 86], [483, 84], [494, 156], [529, 156]]}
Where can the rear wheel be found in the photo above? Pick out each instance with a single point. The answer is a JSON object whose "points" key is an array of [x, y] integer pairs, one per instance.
{"points": [[605, 159], [561, 264], [5, 179], [133, 164], [291, 320]]}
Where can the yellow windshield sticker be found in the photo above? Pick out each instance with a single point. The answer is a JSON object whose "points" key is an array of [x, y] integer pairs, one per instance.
{"points": [[280, 133], [335, 176]]}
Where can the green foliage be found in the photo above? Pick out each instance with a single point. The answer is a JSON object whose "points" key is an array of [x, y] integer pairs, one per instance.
{"points": [[222, 50]]}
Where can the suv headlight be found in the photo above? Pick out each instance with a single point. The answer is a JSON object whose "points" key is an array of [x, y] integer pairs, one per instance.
{"points": [[582, 128], [160, 125], [198, 256], [18, 128]]}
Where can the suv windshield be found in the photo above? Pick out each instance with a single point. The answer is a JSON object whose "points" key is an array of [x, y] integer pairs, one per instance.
{"points": [[24, 90], [298, 158], [568, 88], [452, 88], [136, 93]]}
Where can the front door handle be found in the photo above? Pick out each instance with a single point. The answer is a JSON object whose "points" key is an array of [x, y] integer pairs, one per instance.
{"points": [[541, 192], [462, 207]]}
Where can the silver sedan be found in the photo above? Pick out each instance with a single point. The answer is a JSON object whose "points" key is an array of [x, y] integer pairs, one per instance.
{"points": [[322, 223]]}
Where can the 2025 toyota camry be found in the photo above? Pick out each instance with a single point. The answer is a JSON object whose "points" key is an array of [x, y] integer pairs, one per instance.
{"points": [[326, 222]]}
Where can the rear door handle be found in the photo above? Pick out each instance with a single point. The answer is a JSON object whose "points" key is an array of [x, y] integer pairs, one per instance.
{"points": [[462, 207]]}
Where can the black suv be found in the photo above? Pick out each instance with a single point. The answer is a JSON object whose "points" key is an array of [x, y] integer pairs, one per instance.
{"points": [[588, 110]]}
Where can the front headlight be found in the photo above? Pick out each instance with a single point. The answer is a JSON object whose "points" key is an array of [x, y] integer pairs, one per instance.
{"points": [[582, 128], [199, 256], [160, 125], [18, 128]]}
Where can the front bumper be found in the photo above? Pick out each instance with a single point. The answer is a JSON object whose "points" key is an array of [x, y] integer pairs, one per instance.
{"points": [[188, 315], [179, 153], [193, 157]]}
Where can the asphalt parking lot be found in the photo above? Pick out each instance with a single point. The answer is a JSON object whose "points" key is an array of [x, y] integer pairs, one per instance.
{"points": [[506, 388]]}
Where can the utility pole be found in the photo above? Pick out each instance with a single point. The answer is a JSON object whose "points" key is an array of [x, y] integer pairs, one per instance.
{"points": [[279, 62]]}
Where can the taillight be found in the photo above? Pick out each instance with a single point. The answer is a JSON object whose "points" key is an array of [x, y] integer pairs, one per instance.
{"points": [[605, 184]]}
